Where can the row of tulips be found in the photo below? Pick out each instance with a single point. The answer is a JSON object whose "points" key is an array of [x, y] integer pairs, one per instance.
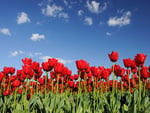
{"points": [[88, 91]]}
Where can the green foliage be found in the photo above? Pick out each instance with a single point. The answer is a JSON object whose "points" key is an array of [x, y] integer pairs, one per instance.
{"points": [[39, 104]]}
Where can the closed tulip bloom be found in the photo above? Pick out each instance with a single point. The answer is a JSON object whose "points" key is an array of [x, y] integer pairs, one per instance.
{"points": [[6, 70], [76, 77], [35, 66], [58, 68], [127, 62], [16, 83], [11, 70], [52, 62], [140, 59], [27, 61], [27, 69], [6, 93], [46, 66], [113, 56]]}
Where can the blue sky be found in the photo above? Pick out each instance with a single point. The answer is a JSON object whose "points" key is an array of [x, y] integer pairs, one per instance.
{"points": [[71, 30]]}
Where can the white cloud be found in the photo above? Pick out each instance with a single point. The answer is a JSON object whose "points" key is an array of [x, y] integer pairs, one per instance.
{"points": [[63, 15], [103, 8], [21, 52], [108, 34], [54, 11], [93, 6], [22, 18], [88, 21], [45, 58], [37, 53], [5, 31], [15, 53], [80, 12], [37, 37], [65, 2], [122, 21], [96, 7]]}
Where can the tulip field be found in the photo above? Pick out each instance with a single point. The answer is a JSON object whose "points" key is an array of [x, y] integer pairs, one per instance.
{"points": [[51, 87]]}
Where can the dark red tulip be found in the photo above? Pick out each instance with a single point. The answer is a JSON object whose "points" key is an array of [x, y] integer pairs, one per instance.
{"points": [[46, 66], [82, 64], [6, 93], [6, 70], [16, 83], [52, 62], [58, 68], [11, 70], [35, 66], [27, 61], [113, 56], [127, 62], [140, 59], [105, 74], [27, 69], [76, 77]]}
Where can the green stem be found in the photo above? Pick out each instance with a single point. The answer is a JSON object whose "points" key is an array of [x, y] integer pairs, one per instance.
{"points": [[52, 88], [113, 87], [37, 86], [139, 90], [46, 77], [129, 83], [15, 99], [56, 93], [144, 88], [4, 104], [78, 94], [94, 84], [121, 88]]}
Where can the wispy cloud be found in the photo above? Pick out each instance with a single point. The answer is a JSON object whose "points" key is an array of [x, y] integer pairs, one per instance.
{"points": [[22, 18], [54, 11], [37, 37], [45, 58], [5, 31], [108, 34], [95, 7], [88, 21], [80, 12], [120, 21], [37, 53], [15, 53]]}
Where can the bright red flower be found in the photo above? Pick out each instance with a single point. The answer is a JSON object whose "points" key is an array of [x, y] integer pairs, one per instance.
{"points": [[27, 69], [6, 93], [1, 76], [65, 71], [127, 62], [105, 74], [144, 72], [140, 59], [76, 77], [19, 72], [70, 84], [27, 61], [16, 83], [58, 68], [35, 66], [96, 71], [11, 70], [46, 66], [113, 56], [52, 62], [6, 70], [82, 64]]}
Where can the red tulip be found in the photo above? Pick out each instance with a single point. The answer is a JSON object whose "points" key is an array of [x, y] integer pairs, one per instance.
{"points": [[52, 62], [6, 93], [11, 70], [58, 68], [6, 70], [140, 59], [35, 66], [76, 77], [16, 83], [27, 61], [113, 56], [27, 69], [46, 66], [127, 62]]}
